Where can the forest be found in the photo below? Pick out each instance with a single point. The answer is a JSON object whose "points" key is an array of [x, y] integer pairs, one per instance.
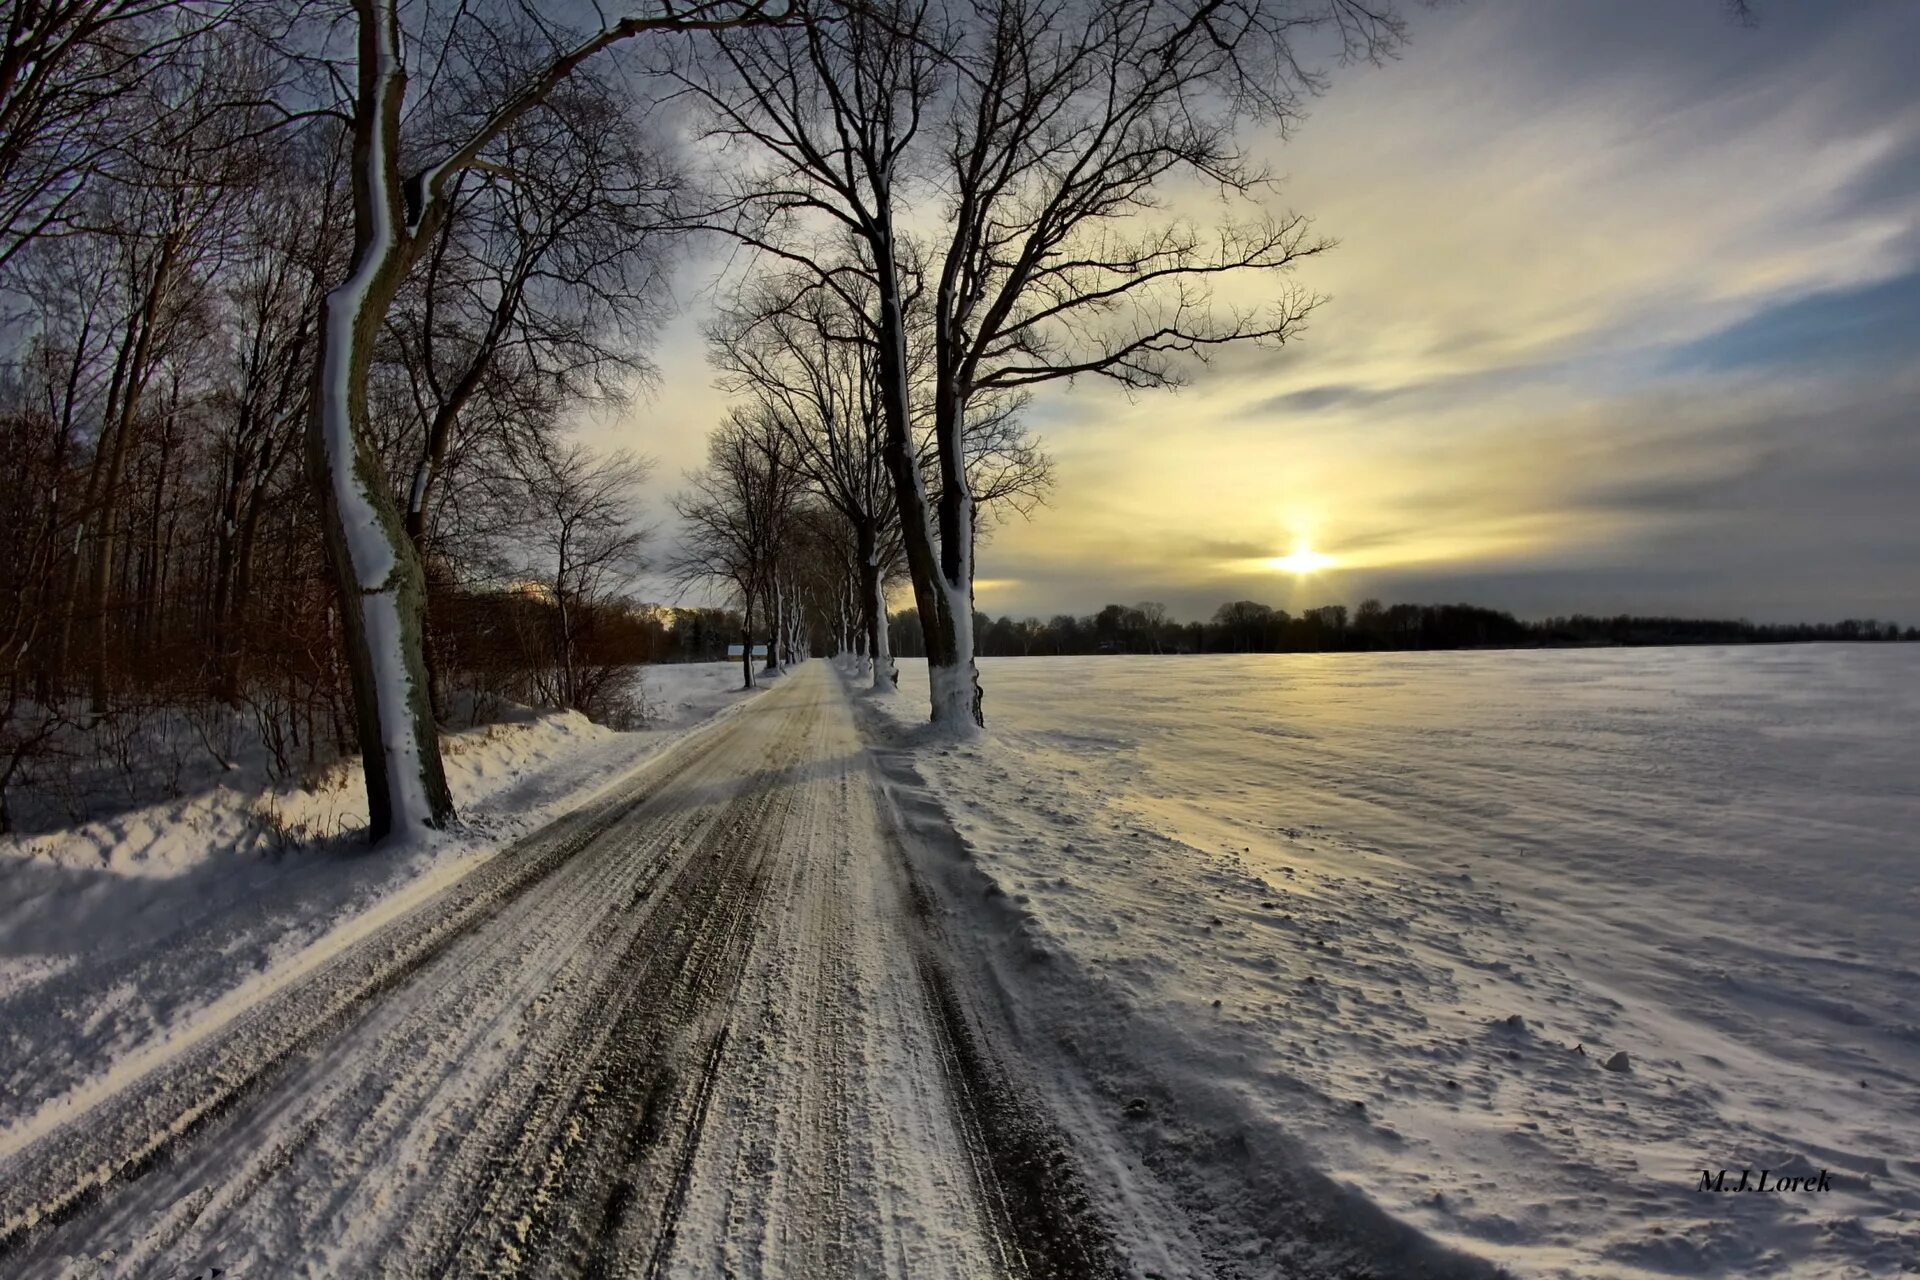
{"points": [[303, 305], [304, 302], [1246, 626]]}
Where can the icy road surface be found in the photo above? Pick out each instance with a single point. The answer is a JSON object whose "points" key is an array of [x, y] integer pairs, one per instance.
{"points": [[696, 1029]]}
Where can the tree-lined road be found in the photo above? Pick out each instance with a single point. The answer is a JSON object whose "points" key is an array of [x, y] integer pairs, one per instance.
{"points": [[695, 1029]]}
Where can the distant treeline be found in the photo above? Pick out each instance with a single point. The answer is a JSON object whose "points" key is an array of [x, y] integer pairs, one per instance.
{"points": [[1246, 626]]}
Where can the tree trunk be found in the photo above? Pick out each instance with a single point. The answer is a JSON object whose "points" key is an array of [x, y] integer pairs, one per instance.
{"points": [[746, 644], [235, 658], [953, 688], [773, 633], [382, 589], [956, 681], [157, 558], [789, 633], [226, 684], [569, 676], [873, 608], [131, 380]]}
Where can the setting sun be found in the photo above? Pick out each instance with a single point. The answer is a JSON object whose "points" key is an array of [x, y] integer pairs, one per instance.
{"points": [[1302, 560]]}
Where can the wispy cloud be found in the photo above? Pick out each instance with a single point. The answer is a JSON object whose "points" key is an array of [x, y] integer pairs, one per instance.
{"points": [[1597, 282], [1623, 316]]}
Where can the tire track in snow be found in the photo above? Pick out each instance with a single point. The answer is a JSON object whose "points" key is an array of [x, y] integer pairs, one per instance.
{"points": [[68, 1169], [694, 1030]]}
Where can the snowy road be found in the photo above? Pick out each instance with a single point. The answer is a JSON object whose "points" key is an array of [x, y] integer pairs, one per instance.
{"points": [[697, 1028]]}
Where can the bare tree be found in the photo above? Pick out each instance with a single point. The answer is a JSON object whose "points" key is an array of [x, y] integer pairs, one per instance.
{"points": [[1048, 131], [72, 74], [734, 515], [167, 222], [581, 538], [1066, 123], [272, 305], [400, 204], [807, 364], [549, 273], [837, 106], [159, 366], [37, 446]]}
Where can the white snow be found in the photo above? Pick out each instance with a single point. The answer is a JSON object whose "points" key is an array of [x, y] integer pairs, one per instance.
{"points": [[714, 1018], [380, 616], [1403, 907], [953, 687], [127, 936]]}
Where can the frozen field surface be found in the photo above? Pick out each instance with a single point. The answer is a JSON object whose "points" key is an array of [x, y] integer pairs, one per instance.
{"points": [[1408, 908]]}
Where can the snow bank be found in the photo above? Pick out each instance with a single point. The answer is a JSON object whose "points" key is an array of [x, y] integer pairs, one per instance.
{"points": [[126, 930], [1392, 918]]}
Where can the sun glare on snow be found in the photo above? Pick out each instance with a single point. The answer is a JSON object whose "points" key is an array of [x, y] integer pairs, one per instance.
{"points": [[1301, 561]]}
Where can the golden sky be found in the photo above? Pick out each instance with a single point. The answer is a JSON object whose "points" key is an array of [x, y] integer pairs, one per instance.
{"points": [[1623, 316]]}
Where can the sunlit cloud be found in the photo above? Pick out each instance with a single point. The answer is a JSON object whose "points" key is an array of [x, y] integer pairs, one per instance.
{"points": [[1301, 562], [1490, 389], [1623, 306]]}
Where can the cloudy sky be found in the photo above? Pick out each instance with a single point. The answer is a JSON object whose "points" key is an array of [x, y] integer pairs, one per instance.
{"points": [[1625, 315]]}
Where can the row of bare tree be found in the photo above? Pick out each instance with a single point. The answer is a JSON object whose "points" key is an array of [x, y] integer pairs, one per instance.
{"points": [[186, 197], [955, 203], [795, 515], [405, 242]]}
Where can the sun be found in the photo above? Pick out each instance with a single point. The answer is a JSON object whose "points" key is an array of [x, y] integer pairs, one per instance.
{"points": [[1301, 561]]}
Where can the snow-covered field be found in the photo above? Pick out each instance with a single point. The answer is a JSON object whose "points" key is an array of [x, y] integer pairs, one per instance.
{"points": [[1408, 908], [138, 928]]}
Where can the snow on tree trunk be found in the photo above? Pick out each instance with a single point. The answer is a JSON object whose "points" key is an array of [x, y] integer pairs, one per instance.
{"points": [[382, 588], [874, 609], [779, 650], [953, 687], [954, 682]]}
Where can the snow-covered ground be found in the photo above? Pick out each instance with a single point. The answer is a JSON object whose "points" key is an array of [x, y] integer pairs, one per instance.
{"points": [[139, 927], [689, 1032], [1408, 908]]}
